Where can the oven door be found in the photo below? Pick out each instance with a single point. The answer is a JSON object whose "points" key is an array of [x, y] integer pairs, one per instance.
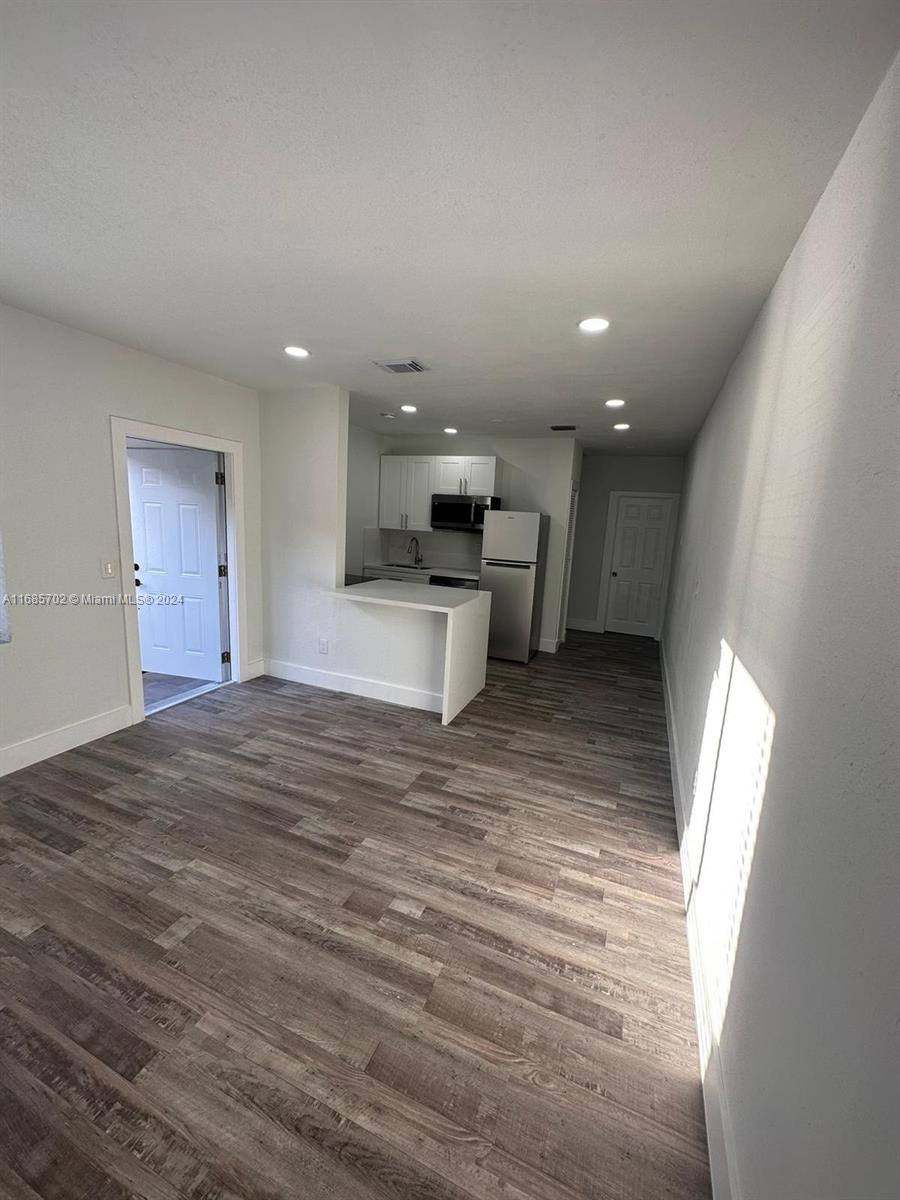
{"points": [[452, 512]]}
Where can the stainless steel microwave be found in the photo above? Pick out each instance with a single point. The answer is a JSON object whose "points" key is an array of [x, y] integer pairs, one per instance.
{"points": [[461, 512]]}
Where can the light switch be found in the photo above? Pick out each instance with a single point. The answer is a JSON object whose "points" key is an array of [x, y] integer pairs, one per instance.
{"points": [[107, 570]]}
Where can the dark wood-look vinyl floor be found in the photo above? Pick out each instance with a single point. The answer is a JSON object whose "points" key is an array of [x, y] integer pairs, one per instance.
{"points": [[279, 943]]}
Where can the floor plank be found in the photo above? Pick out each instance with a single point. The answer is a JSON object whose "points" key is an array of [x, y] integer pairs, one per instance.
{"points": [[277, 941]]}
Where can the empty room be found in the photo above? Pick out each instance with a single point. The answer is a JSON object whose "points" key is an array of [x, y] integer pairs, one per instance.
{"points": [[449, 630]]}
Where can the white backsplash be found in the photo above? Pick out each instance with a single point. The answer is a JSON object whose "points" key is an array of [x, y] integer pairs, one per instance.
{"points": [[440, 547]]}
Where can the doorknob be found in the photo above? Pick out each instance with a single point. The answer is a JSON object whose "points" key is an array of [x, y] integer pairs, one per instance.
{"points": [[614, 574], [137, 583], [137, 566]]}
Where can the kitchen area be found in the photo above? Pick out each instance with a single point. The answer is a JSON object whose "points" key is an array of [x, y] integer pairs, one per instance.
{"points": [[442, 524], [445, 578]]}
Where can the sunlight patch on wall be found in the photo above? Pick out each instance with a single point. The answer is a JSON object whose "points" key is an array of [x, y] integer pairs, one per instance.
{"points": [[729, 788]]}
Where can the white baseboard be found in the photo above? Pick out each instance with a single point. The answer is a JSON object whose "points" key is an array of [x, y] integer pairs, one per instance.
{"points": [[253, 669], [719, 1128], [57, 741], [584, 625], [356, 685], [548, 645]]}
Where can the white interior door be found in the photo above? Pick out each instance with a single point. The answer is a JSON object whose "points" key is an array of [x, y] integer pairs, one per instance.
{"points": [[642, 533], [174, 520]]}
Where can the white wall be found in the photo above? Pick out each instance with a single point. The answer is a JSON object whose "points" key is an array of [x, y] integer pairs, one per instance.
{"points": [[391, 654], [788, 553], [600, 475], [364, 450], [303, 436], [65, 669], [537, 477]]}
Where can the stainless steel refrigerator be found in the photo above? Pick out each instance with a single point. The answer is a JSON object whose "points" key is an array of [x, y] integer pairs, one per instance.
{"points": [[513, 551]]}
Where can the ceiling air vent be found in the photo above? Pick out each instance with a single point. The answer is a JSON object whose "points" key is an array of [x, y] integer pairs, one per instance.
{"points": [[563, 428], [402, 366]]}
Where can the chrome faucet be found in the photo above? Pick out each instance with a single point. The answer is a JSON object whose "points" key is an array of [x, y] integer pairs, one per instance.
{"points": [[413, 548]]}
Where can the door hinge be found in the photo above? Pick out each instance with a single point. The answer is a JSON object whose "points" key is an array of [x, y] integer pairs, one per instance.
{"points": [[223, 570], [220, 478], [226, 656]]}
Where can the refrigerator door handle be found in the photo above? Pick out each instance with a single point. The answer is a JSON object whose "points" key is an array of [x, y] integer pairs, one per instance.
{"points": [[516, 566]]}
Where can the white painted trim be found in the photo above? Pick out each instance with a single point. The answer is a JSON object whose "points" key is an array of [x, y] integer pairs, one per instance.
{"points": [[612, 516], [57, 741], [254, 669], [569, 559], [355, 685], [121, 428], [549, 645], [719, 1126], [585, 626]]}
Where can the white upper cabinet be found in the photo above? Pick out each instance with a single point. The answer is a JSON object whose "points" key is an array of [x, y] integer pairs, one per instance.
{"points": [[449, 471], [482, 476], [465, 474], [419, 473], [405, 492], [409, 480], [392, 494]]}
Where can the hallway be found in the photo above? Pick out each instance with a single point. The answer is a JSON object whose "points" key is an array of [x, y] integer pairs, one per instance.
{"points": [[278, 941]]}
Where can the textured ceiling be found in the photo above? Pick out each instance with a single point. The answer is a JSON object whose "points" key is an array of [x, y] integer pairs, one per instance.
{"points": [[456, 181]]}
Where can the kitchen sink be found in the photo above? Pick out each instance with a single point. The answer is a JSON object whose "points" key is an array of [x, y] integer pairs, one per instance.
{"points": [[407, 566]]}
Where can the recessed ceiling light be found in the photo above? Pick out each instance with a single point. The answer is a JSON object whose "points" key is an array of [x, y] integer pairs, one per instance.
{"points": [[615, 404], [593, 324], [389, 416], [450, 429], [408, 408], [621, 425], [296, 352]]}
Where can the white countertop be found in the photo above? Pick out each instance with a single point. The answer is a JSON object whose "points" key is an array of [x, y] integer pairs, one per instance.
{"points": [[409, 595], [450, 572]]}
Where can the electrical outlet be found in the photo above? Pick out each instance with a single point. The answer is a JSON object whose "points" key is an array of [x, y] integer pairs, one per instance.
{"points": [[323, 645], [107, 570]]}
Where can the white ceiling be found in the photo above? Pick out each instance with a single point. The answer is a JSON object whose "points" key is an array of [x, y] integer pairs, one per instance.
{"points": [[457, 181]]}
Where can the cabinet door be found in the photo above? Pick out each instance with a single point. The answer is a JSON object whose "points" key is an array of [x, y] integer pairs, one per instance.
{"points": [[448, 474], [481, 476], [392, 492], [418, 492]]}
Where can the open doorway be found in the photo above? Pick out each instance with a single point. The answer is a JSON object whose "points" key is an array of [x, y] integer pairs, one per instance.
{"points": [[232, 502], [178, 526]]}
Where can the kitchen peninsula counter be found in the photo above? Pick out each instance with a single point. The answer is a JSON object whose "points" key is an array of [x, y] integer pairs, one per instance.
{"points": [[466, 630]]}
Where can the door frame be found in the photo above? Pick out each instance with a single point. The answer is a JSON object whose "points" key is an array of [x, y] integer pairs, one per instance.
{"points": [[568, 561], [122, 428], [612, 517]]}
